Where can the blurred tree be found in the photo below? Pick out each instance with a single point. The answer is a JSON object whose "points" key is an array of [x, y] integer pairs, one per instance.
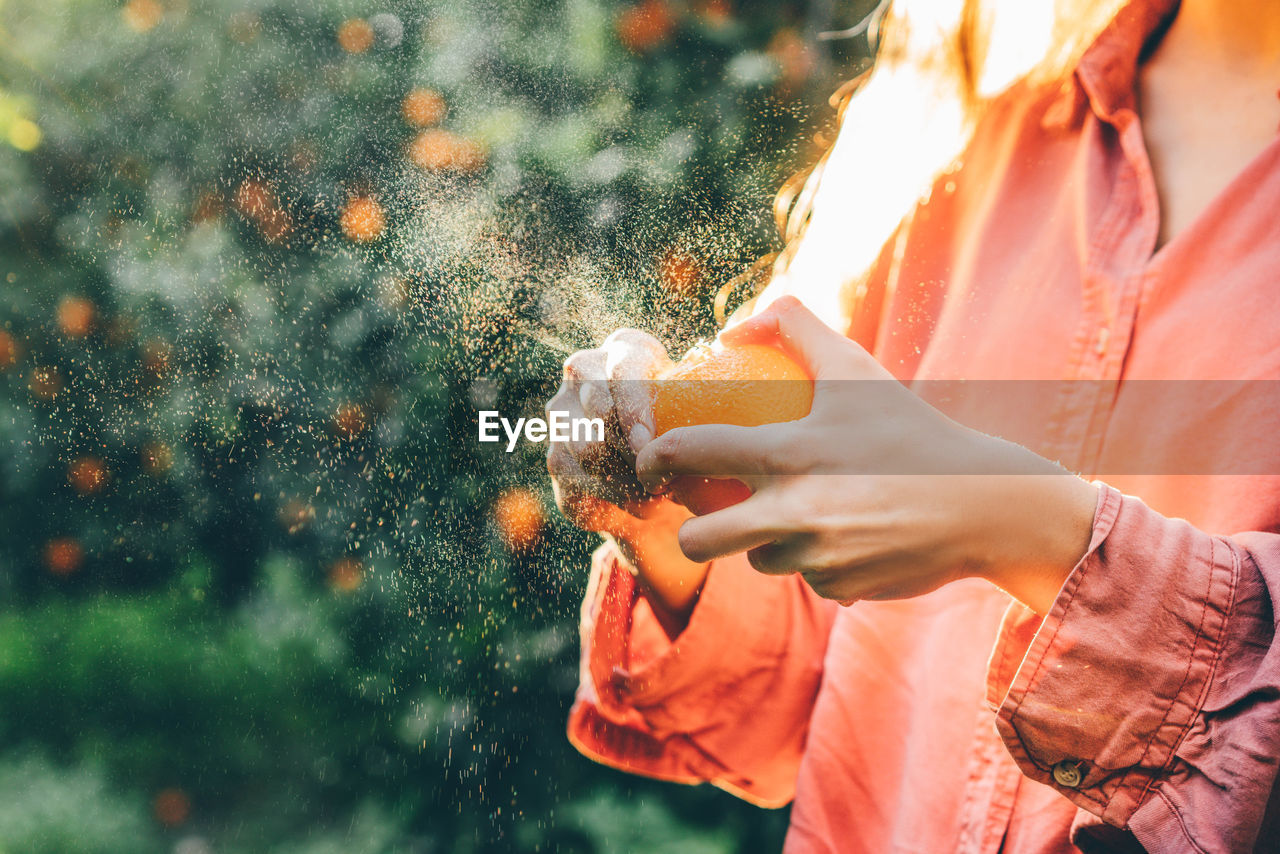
{"points": [[263, 260]]}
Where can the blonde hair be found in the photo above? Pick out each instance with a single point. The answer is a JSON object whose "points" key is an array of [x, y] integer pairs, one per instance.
{"points": [[904, 123]]}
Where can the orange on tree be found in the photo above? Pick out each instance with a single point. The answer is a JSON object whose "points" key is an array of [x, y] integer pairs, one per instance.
{"points": [[794, 57], [346, 574], [355, 35], [295, 515], [439, 150], [63, 555], [75, 316], [645, 25], [520, 518], [717, 13], [257, 202], [254, 198], [142, 15], [87, 475], [171, 807], [363, 219], [8, 350], [747, 386], [423, 107]]}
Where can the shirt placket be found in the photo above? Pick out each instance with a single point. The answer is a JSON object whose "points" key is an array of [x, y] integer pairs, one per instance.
{"points": [[990, 791], [1116, 272]]}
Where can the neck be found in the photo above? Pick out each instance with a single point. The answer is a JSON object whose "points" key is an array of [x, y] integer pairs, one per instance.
{"points": [[1246, 32]]}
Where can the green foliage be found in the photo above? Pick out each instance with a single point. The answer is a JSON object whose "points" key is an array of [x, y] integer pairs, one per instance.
{"points": [[249, 551], [45, 809]]}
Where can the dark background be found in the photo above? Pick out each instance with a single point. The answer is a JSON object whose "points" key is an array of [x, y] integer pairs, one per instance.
{"points": [[262, 590]]}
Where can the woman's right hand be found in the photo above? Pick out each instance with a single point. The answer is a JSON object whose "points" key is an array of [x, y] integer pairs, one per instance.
{"points": [[595, 482]]}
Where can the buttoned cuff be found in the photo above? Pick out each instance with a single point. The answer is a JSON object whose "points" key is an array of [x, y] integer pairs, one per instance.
{"points": [[681, 710], [1094, 699], [676, 685]]}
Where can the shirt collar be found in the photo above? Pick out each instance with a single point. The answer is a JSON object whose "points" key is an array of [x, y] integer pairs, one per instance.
{"points": [[1108, 69]]}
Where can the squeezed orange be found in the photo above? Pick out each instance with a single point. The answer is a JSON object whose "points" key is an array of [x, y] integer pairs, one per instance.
{"points": [[746, 385]]}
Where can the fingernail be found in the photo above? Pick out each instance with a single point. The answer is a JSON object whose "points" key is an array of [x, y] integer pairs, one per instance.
{"points": [[639, 437]]}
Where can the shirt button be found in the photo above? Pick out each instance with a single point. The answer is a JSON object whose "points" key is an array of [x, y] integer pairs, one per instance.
{"points": [[1068, 773], [1100, 346]]}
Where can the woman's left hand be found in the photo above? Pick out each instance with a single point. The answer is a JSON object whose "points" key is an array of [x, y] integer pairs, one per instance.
{"points": [[875, 494]]}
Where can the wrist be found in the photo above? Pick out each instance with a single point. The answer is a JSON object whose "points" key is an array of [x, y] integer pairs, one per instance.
{"points": [[1042, 526], [669, 580]]}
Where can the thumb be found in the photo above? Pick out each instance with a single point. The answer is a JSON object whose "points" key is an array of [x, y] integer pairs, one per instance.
{"points": [[823, 352]]}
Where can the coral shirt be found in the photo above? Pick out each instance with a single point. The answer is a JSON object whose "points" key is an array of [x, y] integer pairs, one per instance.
{"points": [[1144, 709]]}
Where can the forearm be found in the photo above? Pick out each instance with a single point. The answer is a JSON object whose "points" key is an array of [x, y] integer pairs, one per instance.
{"points": [[700, 708], [1045, 525], [1020, 521], [667, 579]]}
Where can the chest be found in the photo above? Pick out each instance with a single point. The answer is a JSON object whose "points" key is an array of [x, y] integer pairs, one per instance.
{"points": [[1201, 129], [1035, 301]]}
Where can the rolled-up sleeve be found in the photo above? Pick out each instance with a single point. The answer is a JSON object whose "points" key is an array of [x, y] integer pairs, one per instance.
{"points": [[1150, 694], [727, 702]]}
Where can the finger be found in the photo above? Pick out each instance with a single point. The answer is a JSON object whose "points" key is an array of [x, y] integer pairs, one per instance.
{"points": [[640, 348], [564, 400], [735, 529], [633, 407], [584, 365], [711, 450], [595, 399], [568, 401], [785, 557], [775, 558], [824, 353], [633, 359]]}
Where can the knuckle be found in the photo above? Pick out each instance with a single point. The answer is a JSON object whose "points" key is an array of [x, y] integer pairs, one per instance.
{"points": [[762, 561], [667, 449], [595, 398], [628, 337], [577, 365], [564, 488], [621, 336], [821, 583], [576, 504], [790, 454], [631, 354], [803, 509], [559, 402], [774, 454]]}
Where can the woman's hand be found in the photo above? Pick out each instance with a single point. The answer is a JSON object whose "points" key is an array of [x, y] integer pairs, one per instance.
{"points": [[875, 494], [592, 480], [595, 482]]}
